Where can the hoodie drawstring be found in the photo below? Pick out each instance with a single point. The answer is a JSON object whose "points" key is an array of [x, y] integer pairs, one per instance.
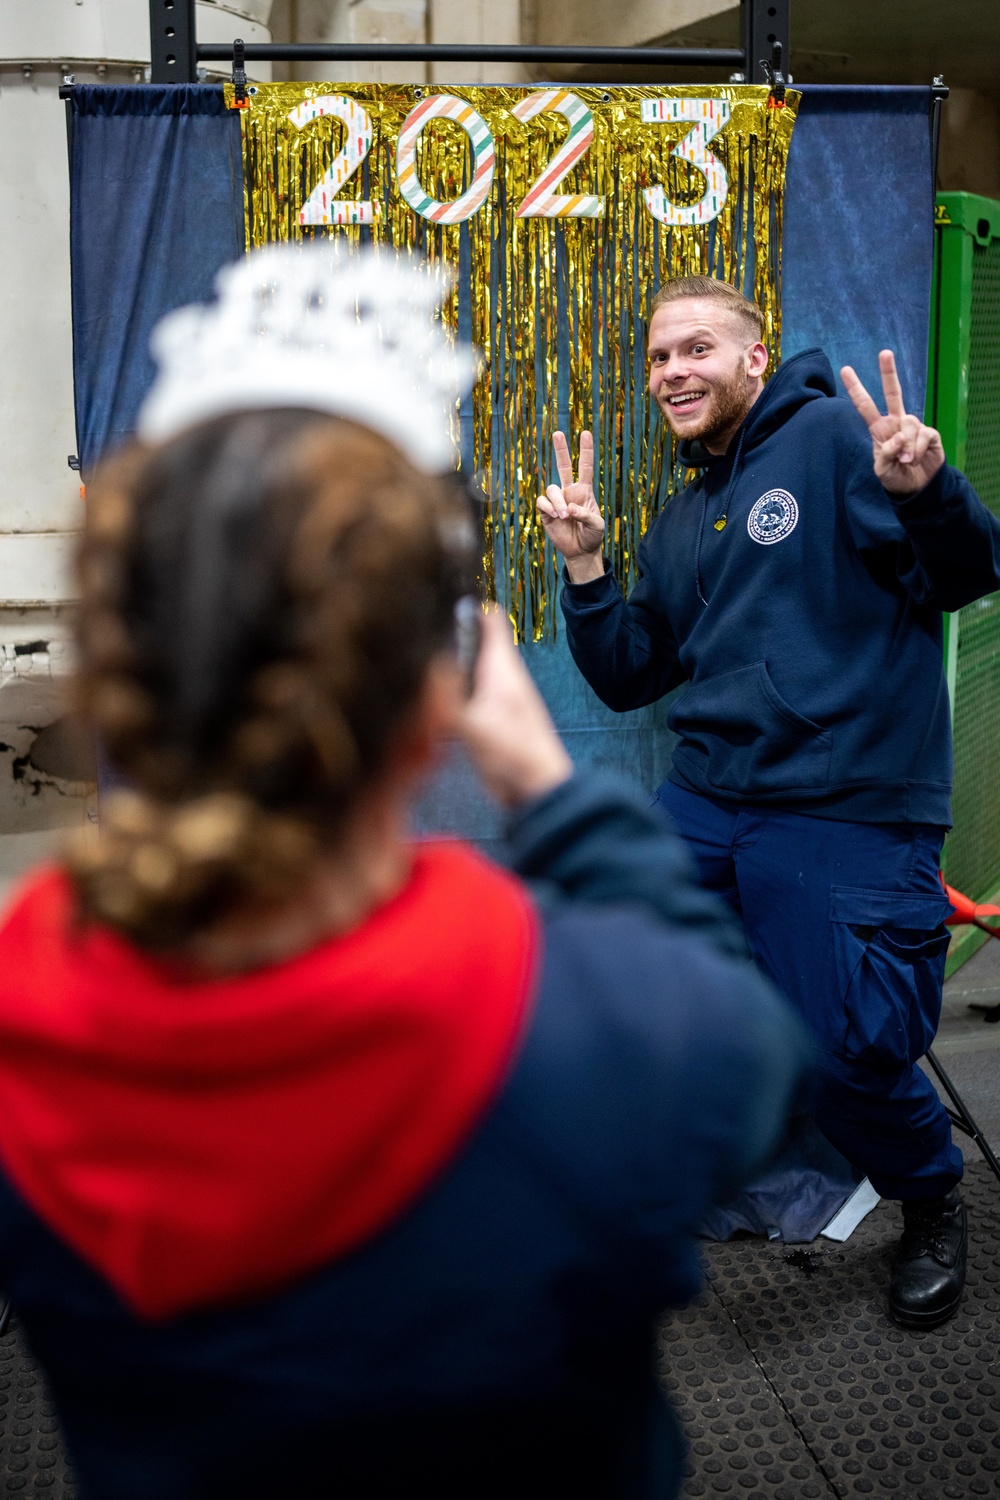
{"points": [[722, 517]]}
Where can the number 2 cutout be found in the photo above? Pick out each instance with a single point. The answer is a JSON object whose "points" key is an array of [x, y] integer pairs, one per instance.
{"points": [[708, 117], [541, 202], [323, 206]]}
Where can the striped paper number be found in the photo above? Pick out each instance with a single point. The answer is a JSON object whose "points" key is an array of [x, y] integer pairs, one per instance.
{"points": [[445, 107], [323, 206], [708, 117], [541, 201]]}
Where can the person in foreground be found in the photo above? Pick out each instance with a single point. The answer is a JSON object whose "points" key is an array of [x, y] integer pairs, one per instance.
{"points": [[797, 588], [331, 1161]]}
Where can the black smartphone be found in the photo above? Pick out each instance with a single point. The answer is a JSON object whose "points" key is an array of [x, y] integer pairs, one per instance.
{"points": [[468, 637]]}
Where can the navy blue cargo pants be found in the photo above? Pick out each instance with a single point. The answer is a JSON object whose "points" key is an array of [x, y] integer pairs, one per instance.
{"points": [[846, 919]]}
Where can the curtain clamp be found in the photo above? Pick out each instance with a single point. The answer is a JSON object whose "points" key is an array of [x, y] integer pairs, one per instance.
{"points": [[775, 77], [241, 96]]}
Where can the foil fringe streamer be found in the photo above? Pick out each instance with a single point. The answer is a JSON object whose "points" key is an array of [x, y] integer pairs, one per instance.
{"points": [[558, 306]]}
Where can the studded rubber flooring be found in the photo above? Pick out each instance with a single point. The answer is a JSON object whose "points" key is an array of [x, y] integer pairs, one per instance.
{"points": [[32, 1461], [789, 1378], [792, 1382]]}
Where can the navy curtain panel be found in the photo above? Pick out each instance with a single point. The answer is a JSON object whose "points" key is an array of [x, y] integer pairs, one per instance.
{"points": [[157, 208], [859, 231]]}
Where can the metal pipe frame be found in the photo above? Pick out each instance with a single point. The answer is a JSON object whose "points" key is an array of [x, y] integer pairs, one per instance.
{"points": [[938, 95], [709, 57], [175, 52]]}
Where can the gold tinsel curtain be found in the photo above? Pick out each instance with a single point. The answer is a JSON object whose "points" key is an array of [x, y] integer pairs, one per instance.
{"points": [[556, 304]]}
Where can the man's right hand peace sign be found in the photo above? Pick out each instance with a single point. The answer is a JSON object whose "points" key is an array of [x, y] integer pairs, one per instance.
{"points": [[570, 513], [906, 452]]}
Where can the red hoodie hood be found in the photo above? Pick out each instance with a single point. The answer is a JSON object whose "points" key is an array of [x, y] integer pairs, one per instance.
{"points": [[204, 1142]]}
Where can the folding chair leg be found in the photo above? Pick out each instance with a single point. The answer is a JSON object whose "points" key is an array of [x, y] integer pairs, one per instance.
{"points": [[960, 1115]]}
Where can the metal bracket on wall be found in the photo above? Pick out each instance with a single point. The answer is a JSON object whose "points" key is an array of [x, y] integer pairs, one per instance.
{"points": [[172, 41], [765, 26]]}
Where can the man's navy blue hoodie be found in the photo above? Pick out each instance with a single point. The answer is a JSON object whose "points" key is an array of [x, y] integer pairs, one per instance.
{"points": [[808, 627]]}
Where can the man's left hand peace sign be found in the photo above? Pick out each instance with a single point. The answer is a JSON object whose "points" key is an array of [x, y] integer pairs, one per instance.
{"points": [[907, 453]]}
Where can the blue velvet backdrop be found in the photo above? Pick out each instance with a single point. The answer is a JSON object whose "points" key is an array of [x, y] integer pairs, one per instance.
{"points": [[157, 207], [858, 232]]}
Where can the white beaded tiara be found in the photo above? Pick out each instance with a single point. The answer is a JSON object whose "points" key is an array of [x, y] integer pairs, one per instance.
{"points": [[316, 326]]}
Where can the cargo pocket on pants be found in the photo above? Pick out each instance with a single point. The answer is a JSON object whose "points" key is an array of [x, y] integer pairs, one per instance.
{"points": [[888, 952]]}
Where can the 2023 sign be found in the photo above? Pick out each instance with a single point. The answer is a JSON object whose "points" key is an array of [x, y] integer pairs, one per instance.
{"points": [[324, 206]]}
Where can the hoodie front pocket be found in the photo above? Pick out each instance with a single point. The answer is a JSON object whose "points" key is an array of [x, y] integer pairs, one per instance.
{"points": [[746, 738]]}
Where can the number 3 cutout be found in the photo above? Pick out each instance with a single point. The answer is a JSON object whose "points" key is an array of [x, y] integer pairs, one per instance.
{"points": [[323, 206], [708, 117], [541, 202]]}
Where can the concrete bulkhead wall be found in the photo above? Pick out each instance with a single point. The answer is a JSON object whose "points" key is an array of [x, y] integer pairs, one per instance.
{"points": [[472, 22], [92, 41], [46, 765]]}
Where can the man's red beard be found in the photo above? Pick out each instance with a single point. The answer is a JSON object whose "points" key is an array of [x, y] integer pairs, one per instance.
{"points": [[728, 403]]}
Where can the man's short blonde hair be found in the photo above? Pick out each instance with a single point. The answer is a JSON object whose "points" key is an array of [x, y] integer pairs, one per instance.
{"points": [[749, 314]]}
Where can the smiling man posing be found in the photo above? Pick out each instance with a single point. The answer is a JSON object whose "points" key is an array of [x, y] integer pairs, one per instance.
{"points": [[797, 588]]}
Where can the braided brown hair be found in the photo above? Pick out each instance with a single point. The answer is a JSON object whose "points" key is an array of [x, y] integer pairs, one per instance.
{"points": [[261, 600]]}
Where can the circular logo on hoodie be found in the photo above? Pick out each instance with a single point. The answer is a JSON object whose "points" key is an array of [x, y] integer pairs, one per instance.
{"points": [[774, 516]]}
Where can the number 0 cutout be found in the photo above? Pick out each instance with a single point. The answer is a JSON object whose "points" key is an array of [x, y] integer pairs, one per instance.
{"points": [[708, 117], [541, 202], [445, 107], [323, 206]]}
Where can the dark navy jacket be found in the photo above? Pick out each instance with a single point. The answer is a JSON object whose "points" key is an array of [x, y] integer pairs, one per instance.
{"points": [[808, 627], [498, 1338]]}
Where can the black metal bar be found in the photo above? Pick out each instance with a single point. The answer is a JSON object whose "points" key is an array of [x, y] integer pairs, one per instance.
{"points": [[764, 23], [938, 95], [172, 41], [960, 1115], [70, 121], [647, 57]]}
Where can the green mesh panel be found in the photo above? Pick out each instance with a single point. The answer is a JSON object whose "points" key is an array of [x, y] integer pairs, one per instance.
{"points": [[973, 851]]}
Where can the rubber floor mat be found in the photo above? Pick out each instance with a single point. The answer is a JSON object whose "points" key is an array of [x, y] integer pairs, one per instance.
{"points": [[790, 1379], [792, 1382]]}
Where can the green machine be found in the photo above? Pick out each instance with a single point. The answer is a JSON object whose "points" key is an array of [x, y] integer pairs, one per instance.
{"points": [[963, 402]]}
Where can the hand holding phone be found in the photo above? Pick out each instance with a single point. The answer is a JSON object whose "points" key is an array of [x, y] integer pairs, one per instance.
{"points": [[506, 726]]}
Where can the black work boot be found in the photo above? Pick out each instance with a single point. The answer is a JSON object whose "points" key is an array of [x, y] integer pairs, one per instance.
{"points": [[928, 1273]]}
